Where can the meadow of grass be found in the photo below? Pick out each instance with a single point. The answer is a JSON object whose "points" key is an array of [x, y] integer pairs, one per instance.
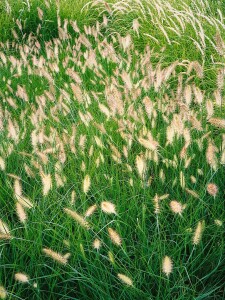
{"points": [[112, 150]]}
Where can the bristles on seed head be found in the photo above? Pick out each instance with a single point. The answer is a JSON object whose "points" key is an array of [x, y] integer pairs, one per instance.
{"points": [[198, 232], [211, 155], [114, 236], [212, 189], [86, 184], [2, 164], [97, 244], [192, 193], [176, 207], [182, 180], [141, 165], [111, 258], [125, 279], [17, 187], [24, 201], [156, 204], [77, 217], [22, 277], [90, 210], [217, 122], [5, 236], [73, 197], [56, 256], [4, 228], [3, 293], [21, 213], [47, 183], [108, 207], [167, 265], [218, 222]]}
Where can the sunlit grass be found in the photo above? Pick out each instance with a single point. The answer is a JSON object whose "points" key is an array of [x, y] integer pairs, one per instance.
{"points": [[112, 153]]}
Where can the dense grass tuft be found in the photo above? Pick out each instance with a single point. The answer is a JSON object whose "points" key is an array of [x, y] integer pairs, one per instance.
{"points": [[112, 150]]}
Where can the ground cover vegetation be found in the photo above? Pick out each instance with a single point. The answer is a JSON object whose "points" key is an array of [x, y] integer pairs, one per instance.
{"points": [[112, 150]]}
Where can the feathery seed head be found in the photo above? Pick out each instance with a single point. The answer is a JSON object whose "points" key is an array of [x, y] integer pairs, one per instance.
{"points": [[77, 217], [212, 189], [114, 236], [56, 256], [73, 196], [21, 213], [217, 122], [17, 187], [90, 210], [218, 222], [141, 165], [167, 265], [86, 184], [47, 183], [176, 207], [108, 207], [22, 277], [97, 244], [125, 279], [3, 293], [198, 233], [4, 228]]}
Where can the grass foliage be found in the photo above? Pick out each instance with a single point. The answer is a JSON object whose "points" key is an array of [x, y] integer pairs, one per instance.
{"points": [[112, 150]]}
